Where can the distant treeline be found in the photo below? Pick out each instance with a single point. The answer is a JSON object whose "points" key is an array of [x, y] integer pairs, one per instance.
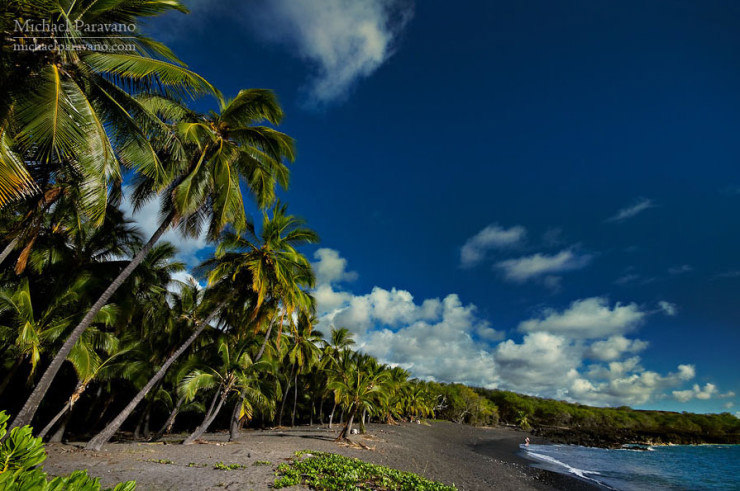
{"points": [[566, 422]]}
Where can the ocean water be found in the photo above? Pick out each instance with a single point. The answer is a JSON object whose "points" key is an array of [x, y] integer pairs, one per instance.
{"points": [[692, 467]]}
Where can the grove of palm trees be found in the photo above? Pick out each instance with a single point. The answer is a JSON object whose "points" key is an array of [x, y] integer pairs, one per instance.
{"points": [[105, 335]]}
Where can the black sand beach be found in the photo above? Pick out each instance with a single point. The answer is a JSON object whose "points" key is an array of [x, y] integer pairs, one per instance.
{"points": [[466, 456]]}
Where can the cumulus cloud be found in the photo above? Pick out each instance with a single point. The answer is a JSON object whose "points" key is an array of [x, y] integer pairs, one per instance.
{"points": [[147, 220], [709, 391], [614, 347], [632, 210], [536, 363], [344, 41], [586, 319], [330, 268], [539, 265], [491, 237], [581, 353]]}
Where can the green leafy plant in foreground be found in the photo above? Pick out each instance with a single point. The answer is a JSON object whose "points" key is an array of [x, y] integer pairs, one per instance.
{"points": [[321, 470], [20, 457]]}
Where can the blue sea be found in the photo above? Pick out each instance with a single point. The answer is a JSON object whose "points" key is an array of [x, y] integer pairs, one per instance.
{"points": [[692, 467]]}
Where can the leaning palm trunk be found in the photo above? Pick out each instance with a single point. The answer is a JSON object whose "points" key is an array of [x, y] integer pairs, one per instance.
{"points": [[167, 426], [8, 249], [347, 430], [208, 420], [67, 407], [331, 415], [101, 438], [26, 414]]}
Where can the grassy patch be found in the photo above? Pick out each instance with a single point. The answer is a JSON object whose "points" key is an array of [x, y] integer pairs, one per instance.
{"points": [[262, 462], [160, 461], [227, 467], [327, 471]]}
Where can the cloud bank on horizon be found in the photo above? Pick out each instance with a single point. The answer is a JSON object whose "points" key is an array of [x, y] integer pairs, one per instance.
{"points": [[581, 353]]}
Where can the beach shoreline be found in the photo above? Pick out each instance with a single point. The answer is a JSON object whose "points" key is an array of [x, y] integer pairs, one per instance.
{"points": [[461, 455]]}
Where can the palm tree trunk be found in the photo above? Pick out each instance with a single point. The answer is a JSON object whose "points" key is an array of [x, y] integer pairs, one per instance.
{"points": [[167, 426], [58, 435], [331, 415], [101, 438], [285, 396], [235, 420], [264, 343], [209, 417], [362, 421], [295, 399], [54, 420], [26, 414], [8, 249], [79, 389], [347, 430], [234, 423]]}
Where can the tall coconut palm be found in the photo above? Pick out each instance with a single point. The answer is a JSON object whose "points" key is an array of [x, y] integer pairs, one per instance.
{"points": [[224, 150], [74, 107], [304, 353]]}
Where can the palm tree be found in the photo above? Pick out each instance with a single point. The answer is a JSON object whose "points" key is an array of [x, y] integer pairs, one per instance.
{"points": [[356, 390], [225, 149], [267, 264], [304, 353], [213, 308], [72, 107], [89, 365], [236, 372], [35, 332]]}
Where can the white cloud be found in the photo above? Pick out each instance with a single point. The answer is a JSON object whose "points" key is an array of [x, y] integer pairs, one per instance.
{"points": [[668, 308], [587, 319], [709, 391], [344, 41], [615, 347], [330, 268], [579, 354], [538, 265], [632, 210], [147, 219], [541, 364], [491, 237]]}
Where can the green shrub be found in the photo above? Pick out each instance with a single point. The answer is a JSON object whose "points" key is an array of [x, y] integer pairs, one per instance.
{"points": [[21, 456], [327, 471]]}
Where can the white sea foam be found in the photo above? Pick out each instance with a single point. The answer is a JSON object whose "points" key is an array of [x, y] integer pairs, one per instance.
{"points": [[573, 470]]}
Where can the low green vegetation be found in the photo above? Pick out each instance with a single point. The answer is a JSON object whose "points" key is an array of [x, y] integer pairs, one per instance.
{"points": [[160, 461], [262, 462], [327, 471], [220, 466], [21, 456]]}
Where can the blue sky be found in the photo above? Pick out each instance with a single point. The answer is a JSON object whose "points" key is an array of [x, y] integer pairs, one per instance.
{"points": [[540, 196]]}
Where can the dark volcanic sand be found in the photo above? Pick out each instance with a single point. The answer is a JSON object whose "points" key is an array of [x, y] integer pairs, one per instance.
{"points": [[468, 457]]}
